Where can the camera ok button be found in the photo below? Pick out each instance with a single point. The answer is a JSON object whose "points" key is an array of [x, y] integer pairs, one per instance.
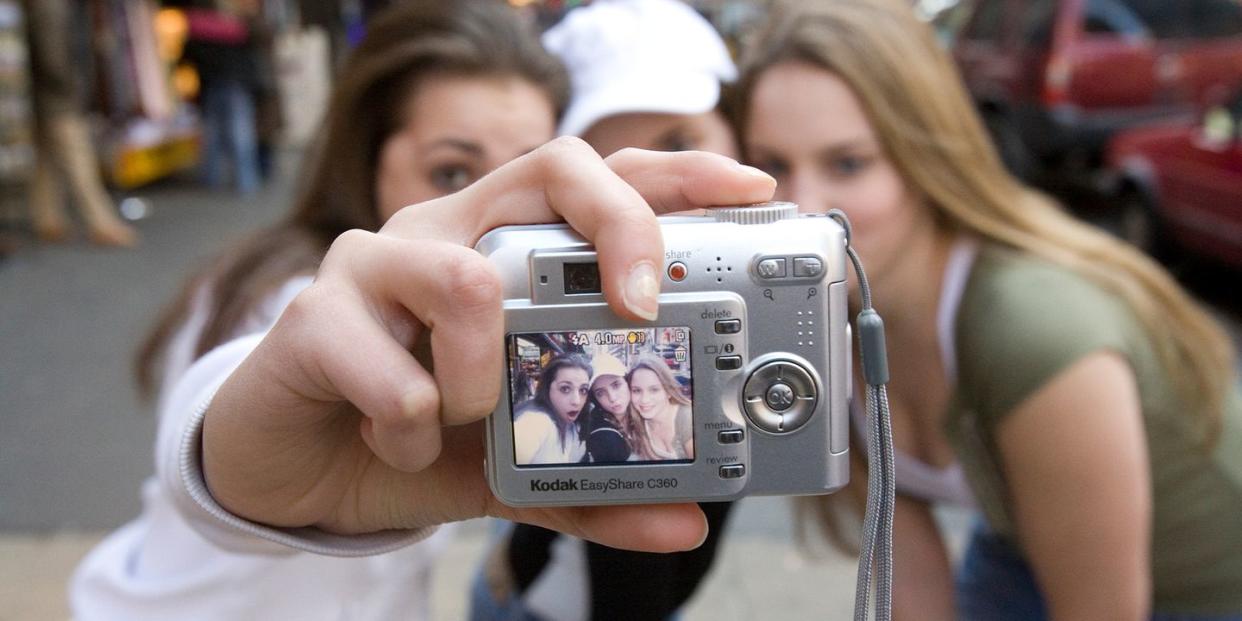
{"points": [[779, 397]]}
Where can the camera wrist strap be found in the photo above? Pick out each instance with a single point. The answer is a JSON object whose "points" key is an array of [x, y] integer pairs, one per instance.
{"points": [[876, 552]]}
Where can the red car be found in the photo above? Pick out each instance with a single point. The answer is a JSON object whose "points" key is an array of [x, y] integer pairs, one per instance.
{"points": [[1181, 184], [1055, 79]]}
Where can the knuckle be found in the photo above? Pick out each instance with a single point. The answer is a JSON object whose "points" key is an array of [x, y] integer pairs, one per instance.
{"points": [[626, 158], [350, 240], [417, 406], [473, 285], [562, 154], [345, 245]]}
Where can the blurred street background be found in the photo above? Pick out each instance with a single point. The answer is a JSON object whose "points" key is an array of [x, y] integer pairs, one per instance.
{"points": [[76, 440]]}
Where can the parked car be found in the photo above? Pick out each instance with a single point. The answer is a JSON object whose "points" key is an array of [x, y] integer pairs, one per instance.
{"points": [[1180, 184], [1055, 79]]}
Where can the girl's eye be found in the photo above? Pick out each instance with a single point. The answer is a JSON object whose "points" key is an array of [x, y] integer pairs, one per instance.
{"points": [[451, 178], [848, 165], [677, 141]]}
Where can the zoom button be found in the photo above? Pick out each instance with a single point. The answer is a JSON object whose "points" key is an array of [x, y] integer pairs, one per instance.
{"points": [[807, 267], [771, 268]]}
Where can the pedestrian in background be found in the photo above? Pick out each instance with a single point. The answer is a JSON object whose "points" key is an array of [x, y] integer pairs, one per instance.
{"points": [[65, 152], [1042, 371], [225, 46]]}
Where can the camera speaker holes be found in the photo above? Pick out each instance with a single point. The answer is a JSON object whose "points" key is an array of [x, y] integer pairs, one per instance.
{"points": [[720, 267]]}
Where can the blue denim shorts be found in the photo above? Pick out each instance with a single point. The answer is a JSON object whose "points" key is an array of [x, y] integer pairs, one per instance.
{"points": [[994, 583]]}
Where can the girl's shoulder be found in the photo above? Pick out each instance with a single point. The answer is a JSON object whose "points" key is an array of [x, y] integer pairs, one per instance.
{"points": [[1022, 319], [533, 418]]}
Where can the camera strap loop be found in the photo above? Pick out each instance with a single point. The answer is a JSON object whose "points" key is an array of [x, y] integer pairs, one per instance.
{"points": [[876, 553]]}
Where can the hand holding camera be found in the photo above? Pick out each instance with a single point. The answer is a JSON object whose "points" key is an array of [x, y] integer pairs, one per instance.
{"points": [[739, 388], [332, 423]]}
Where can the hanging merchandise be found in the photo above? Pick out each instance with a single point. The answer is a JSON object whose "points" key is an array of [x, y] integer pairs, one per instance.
{"points": [[152, 132], [16, 118], [304, 81]]}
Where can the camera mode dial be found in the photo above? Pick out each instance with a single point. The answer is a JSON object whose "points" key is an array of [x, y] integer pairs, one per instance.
{"points": [[780, 396], [763, 213]]}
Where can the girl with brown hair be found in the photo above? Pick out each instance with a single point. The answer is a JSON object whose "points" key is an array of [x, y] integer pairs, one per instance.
{"points": [[1042, 371], [294, 417], [436, 96]]}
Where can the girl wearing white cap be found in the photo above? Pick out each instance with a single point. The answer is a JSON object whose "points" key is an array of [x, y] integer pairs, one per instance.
{"points": [[613, 431], [645, 74]]}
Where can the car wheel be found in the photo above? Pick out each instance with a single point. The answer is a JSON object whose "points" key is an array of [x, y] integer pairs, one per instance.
{"points": [[1140, 224]]}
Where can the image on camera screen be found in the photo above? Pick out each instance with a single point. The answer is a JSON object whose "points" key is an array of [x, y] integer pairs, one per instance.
{"points": [[601, 397]]}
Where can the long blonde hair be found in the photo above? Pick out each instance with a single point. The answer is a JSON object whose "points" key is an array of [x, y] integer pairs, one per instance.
{"points": [[656, 365], [915, 101]]}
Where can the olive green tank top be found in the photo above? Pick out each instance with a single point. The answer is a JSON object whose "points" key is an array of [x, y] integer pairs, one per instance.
{"points": [[1021, 321]]}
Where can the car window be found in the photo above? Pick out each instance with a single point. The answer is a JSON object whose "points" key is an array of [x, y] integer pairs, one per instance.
{"points": [[1162, 18], [1112, 17], [1214, 19], [988, 22]]}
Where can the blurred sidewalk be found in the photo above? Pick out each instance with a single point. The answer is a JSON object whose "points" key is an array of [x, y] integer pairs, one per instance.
{"points": [[76, 442], [759, 574]]}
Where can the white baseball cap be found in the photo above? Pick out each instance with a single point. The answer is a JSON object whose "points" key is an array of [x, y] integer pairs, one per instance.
{"points": [[604, 364], [638, 56]]}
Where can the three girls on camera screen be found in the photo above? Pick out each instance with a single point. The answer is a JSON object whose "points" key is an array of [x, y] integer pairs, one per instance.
{"points": [[593, 398]]}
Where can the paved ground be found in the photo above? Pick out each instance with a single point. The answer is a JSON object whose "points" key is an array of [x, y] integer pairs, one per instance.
{"points": [[760, 575], [75, 441]]}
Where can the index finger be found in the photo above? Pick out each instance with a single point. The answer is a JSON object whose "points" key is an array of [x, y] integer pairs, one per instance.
{"points": [[611, 203]]}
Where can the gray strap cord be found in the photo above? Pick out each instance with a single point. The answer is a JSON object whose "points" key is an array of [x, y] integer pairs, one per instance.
{"points": [[876, 553]]}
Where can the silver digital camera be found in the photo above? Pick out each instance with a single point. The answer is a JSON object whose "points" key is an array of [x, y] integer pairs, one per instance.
{"points": [[738, 388]]}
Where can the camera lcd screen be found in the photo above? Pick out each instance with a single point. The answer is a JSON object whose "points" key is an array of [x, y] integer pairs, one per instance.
{"points": [[601, 397]]}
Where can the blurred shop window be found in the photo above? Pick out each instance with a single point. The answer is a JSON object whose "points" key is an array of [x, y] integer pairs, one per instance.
{"points": [[304, 81], [16, 116]]}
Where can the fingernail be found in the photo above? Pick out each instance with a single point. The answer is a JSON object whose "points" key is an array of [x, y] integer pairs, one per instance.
{"points": [[751, 171], [642, 291]]}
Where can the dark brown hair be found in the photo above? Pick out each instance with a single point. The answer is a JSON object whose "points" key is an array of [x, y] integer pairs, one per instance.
{"points": [[408, 42]]}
